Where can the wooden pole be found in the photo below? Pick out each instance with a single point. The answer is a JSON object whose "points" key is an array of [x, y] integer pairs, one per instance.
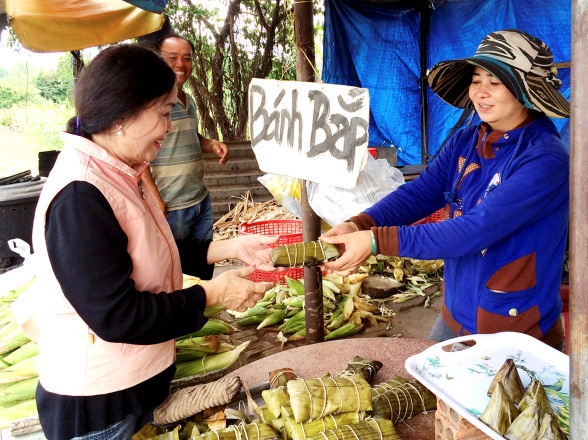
{"points": [[578, 249], [305, 67]]}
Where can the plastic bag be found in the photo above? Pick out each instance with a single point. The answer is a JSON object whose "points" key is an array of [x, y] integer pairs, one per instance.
{"points": [[335, 205], [25, 305], [285, 190]]}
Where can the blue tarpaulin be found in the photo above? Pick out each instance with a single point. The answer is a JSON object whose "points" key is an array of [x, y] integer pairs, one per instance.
{"points": [[378, 47]]}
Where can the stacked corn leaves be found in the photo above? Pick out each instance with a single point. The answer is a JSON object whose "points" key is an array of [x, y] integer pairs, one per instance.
{"points": [[416, 275], [19, 372], [344, 309]]}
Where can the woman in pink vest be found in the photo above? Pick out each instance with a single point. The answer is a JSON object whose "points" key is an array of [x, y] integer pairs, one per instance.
{"points": [[111, 302]]}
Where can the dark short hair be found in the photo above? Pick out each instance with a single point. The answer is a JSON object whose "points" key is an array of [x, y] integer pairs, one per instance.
{"points": [[120, 82], [159, 43]]}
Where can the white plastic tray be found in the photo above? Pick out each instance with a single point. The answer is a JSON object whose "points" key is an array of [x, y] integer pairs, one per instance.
{"points": [[461, 378]]}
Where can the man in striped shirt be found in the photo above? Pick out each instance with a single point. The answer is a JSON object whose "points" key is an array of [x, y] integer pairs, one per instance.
{"points": [[176, 177]]}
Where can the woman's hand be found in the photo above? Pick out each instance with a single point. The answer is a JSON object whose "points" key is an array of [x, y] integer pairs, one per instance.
{"points": [[340, 229], [255, 250], [354, 248], [232, 289]]}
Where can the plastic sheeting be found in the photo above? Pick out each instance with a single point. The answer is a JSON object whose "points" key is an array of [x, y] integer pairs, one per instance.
{"points": [[60, 26], [378, 47], [156, 6]]}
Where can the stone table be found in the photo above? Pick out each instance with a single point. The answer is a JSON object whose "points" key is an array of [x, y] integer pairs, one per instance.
{"points": [[314, 360]]}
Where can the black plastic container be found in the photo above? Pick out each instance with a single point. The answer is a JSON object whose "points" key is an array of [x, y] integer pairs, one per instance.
{"points": [[46, 161], [18, 202]]}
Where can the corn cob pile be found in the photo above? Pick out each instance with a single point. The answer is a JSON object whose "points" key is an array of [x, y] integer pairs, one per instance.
{"points": [[19, 373], [198, 354], [344, 308], [208, 350]]}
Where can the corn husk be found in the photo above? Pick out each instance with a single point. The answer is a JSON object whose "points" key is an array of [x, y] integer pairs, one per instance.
{"points": [[302, 431], [210, 363], [315, 398], [500, 411], [19, 411], [250, 431], [403, 401], [213, 326], [25, 369], [275, 398], [387, 385], [526, 425], [25, 351], [535, 393], [550, 429], [508, 375], [366, 368], [370, 429], [192, 348], [301, 254], [16, 392]]}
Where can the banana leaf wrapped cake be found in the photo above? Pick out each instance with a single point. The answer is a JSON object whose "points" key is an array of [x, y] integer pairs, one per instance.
{"points": [[370, 429], [518, 413], [303, 254], [315, 398]]}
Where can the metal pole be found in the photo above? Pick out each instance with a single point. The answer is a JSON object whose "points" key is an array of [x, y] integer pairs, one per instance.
{"points": [[424, 31], [578, 216], [305, 65]]}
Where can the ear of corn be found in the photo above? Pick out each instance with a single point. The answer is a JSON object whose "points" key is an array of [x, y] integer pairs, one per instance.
{"points": [[13, 340], [345, 330], [273, 318], [25, 351], [210, 363], [21, 410], [16, 392], [25, 369], [295, 287], [212, 327], [193, 348]]}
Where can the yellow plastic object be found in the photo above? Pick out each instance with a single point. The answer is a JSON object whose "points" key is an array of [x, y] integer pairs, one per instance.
{"points": [[60, 26]]}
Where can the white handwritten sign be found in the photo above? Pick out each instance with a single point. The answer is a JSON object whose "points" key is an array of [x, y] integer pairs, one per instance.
{"points": [[316, 132]]}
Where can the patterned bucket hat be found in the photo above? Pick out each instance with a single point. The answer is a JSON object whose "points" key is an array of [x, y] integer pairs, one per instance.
{"points": [[522, 62]]}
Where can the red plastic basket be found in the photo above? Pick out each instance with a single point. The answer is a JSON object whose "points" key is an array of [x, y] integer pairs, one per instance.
{"points": [[437, 216], [290, 231]]}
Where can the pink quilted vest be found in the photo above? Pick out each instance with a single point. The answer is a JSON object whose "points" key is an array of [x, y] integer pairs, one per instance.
{"points": [[73, 360]]}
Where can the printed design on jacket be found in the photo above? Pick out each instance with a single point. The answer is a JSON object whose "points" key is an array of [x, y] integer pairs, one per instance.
{"points": [[471, 167]]}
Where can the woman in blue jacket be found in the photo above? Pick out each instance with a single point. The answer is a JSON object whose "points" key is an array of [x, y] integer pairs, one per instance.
{"points": [[504, 188]]}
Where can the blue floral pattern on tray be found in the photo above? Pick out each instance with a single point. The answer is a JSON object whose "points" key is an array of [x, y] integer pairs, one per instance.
{"points": [[461, 378]]}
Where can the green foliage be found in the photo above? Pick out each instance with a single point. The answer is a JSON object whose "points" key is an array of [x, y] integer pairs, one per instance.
{"points": [[57, 85], [17, 89], [28, 129]]}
